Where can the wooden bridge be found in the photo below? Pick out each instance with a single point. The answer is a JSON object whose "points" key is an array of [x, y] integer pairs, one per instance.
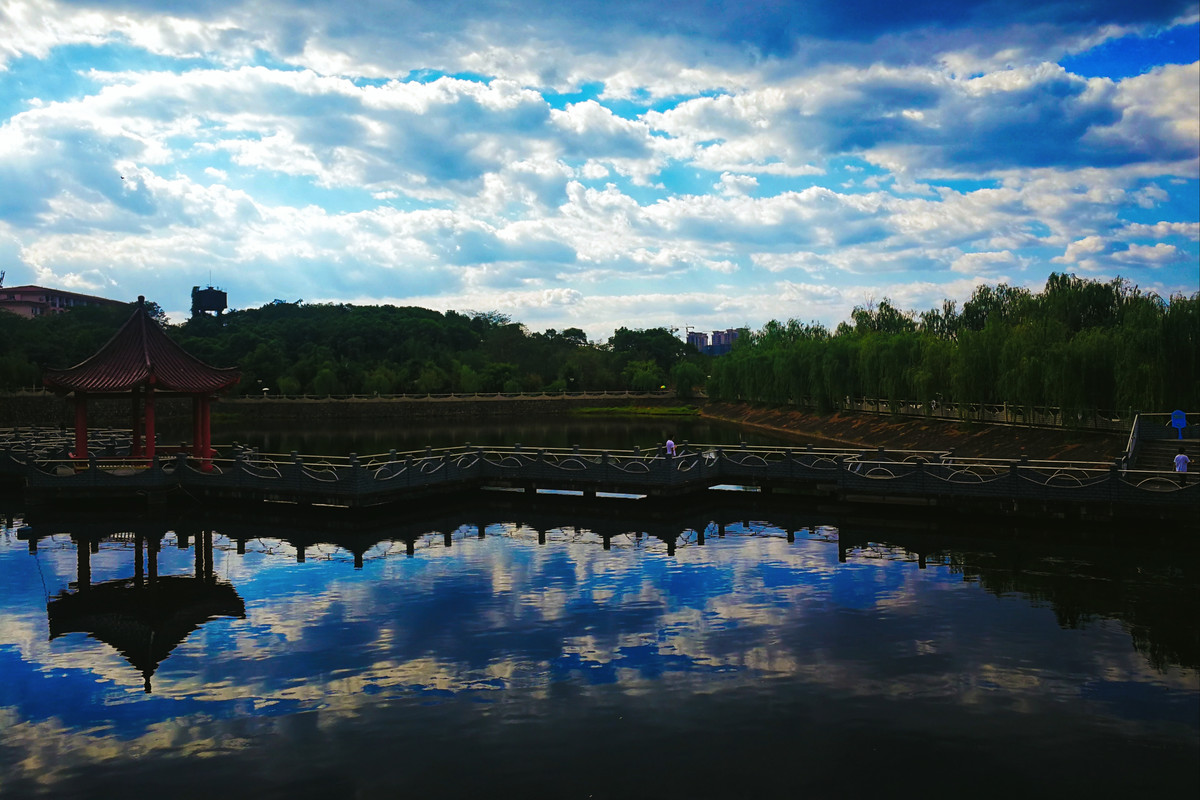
{"points": [[1086, 490]]}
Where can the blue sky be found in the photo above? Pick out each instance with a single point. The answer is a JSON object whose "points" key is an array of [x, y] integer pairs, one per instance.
{"points": [[598, 164]]}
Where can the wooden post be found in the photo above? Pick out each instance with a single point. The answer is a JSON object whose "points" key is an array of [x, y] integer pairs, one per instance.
{"points": [[197, 432], [135, 419], [80, 425], [150, 422], [152, 560], [139, 568], [83, 570], [209, 574], [206, 432]]}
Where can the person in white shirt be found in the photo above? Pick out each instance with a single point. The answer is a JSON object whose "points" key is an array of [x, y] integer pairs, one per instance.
{"points": [[1182, 461], [670, 447]]}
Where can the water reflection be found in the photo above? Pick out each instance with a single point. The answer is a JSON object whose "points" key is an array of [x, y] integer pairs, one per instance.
{"points": [[144, 617], [606, 650], [558, 432]]}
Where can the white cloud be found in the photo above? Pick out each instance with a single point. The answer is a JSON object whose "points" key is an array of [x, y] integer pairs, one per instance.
{"points": [[1081, 251], [985, 264], [730, 157], [1156, 254]]}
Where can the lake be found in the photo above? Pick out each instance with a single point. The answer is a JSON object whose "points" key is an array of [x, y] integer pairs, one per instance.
{"points": [[552, 431], [499, 646]]}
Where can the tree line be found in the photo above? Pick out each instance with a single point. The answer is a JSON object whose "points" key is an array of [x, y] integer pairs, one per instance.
{"points": [[294, 348], [1077, 344]]}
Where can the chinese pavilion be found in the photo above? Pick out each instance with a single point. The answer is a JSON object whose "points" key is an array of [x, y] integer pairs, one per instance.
{"points": [[141, 363]]}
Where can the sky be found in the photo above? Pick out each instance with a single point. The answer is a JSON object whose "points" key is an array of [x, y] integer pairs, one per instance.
{"points": [[685, 163]]}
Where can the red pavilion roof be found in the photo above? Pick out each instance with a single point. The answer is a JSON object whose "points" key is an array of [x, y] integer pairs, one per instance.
{"points": [[139, 355]]}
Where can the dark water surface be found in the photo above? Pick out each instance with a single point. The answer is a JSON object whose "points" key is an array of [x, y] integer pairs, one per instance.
{"points": [[572, 652], [553, 431]]}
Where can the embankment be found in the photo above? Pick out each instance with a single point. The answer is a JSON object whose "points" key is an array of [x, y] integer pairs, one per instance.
{"points": [[859, 430], [46, 409], [903, 433]]}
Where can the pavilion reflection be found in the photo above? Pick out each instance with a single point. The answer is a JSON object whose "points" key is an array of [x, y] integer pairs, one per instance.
{"points": [[146, 616]]}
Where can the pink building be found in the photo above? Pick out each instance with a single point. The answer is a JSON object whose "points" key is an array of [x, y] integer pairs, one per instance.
{"points": [[35, 301]]}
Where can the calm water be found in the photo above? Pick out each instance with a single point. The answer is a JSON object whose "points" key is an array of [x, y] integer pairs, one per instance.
{"points": [[554, 431], [602, 652]]}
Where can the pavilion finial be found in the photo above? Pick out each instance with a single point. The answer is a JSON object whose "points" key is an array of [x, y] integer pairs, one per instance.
{"points": [[141, 300]]}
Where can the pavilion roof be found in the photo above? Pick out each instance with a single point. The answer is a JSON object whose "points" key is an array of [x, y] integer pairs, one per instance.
{"points": [[140, 354]]}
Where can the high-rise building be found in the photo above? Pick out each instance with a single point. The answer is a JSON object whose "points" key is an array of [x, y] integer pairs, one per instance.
{"points": [[722, 341]]}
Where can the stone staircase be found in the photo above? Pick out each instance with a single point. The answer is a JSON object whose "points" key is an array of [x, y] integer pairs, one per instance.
{"points": [[1159, 454]]}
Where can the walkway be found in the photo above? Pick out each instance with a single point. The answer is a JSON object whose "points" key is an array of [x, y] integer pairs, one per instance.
{"points": [[1054, 488]]}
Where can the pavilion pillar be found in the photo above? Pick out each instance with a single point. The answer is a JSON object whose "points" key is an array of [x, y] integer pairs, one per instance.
{"points": [[81, 425], [135, 444], [150, 422], [197, 426], [206, 429]]}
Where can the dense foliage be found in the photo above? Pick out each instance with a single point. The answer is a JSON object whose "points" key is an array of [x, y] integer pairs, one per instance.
{"points": [[296, 348], [1077, 344]]}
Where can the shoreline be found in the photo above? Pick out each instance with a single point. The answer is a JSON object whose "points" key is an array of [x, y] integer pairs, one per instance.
{"points": [[982, 440], [857, 429]]}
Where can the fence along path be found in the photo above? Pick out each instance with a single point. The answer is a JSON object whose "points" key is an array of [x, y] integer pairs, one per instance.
{"points": [[842, 474]]}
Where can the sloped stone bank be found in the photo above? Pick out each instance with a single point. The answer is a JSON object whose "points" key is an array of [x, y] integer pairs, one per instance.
{"points": [[901, 433], [859, 430], [34, 409]]}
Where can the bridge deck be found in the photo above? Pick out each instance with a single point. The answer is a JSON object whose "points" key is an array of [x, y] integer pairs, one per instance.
{"points": [[844, 475]]}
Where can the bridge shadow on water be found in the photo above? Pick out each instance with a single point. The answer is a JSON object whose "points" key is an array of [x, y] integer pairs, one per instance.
{"points": [[144, 616]]}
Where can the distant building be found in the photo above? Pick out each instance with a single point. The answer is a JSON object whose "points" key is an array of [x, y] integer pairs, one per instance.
{"points": [[208, 299], [722, 342], [37, 301]]}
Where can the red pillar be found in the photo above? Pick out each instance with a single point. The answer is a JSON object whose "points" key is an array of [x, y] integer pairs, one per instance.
{"points": [[197, 426], [150, 422], [135, 444], [80, 425], [206, 431]]}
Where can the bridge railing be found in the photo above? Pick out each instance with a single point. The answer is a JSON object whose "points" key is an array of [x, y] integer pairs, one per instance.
{"points": [[379, 478]]}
